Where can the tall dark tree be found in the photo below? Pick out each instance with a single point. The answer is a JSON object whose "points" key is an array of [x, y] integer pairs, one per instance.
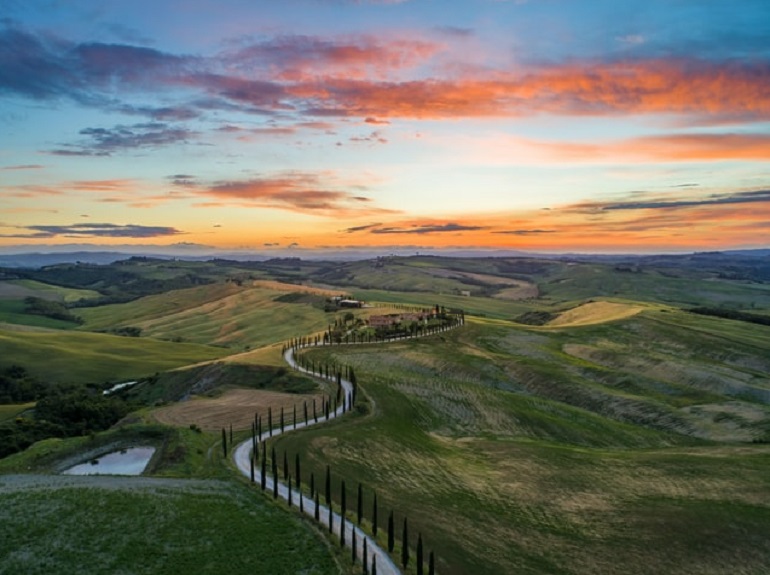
{"points": [[374, 516], [366, 556], [418, 558], [312, 484], [360, 503], [285, 466], [297, 476], [374, 565], [304, 411], [317, 514], [281, 419], [251, 468], [431, 564], [354, 547], [275, 482], [231, 434], [343, 508], [270, 421], [263, 477], [328, 487], [224, 442], [290, 497], [391, 533], [405, 546], [294, 418]]}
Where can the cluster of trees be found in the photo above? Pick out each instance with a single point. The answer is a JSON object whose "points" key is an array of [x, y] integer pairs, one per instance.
{"points": [[61, 411], [48, 308], [732, 314], [18, 386]]}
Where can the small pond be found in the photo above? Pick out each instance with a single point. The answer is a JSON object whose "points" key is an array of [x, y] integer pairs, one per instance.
{"points": [[130, 461]]}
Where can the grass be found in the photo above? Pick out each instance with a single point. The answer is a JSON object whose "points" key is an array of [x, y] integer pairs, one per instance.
{"points": [[12, 311], [510, 455], [237, 317], [153, 526], [82, 357], [19, 289], [10, 411]]}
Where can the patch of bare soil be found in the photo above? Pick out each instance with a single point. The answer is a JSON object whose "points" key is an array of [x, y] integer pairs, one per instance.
{"points": [[236, 407]]}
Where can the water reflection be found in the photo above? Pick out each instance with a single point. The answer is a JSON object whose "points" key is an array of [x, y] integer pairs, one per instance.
{"points": [[130, 461]]}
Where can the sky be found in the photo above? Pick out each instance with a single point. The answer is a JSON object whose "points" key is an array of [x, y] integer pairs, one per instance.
{"points": [[537, 125]]}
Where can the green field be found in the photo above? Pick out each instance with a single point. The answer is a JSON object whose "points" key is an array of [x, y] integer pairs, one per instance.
{"points": [[624, 435], [152, 526], [220, 314], [82, 357], [511, 455]]}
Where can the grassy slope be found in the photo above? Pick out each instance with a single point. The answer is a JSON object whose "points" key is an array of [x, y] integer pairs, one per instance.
{"points": [[90, 357], [221, 314], [511, 456], [144, 527]]}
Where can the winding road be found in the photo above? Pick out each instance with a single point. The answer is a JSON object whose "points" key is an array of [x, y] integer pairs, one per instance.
{"points": [[242, 458]]}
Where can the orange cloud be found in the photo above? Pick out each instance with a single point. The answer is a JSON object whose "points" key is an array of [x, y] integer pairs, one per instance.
{"points": [[581, 88], [665, 148], [304, 192], [643, 222]]}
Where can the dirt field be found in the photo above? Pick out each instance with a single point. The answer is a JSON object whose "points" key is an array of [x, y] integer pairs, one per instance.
{"points": [[235, 407]]}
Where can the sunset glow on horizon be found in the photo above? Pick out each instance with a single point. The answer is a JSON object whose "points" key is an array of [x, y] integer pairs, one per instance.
{"points": [[340, 124]]}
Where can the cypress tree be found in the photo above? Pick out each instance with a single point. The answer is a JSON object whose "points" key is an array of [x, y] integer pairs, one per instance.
{"points": [[353, 546], [328, 487], [391, 533], [285, 466], [282, 419], [259, 428], [294, 419], [431, 564], [366, 557], [315, 415], [224, 441], [312, 484], [360, 503], [374, 565], [304, 410], [231, 434], [297, 475], [290, 501], [331, 521], [270, 421], [343, 507], [317, 514], [405, 546], [251, 468], [263, 478], [301, 501], [275, 482], [419, 554], [374, 516]]}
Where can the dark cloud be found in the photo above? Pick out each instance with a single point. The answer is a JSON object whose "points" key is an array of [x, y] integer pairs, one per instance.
{"points": [[375, 137], [106, 141], [24, 167], [759, 196], [428, 229], [525, 232], [94, 230], [361, 228]]}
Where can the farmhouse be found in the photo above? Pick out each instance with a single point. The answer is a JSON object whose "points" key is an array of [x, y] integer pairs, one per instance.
{"points": [[350, 303]]}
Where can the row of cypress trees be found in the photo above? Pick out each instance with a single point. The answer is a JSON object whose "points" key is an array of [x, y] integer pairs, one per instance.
{"points": [[333, 373]]}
